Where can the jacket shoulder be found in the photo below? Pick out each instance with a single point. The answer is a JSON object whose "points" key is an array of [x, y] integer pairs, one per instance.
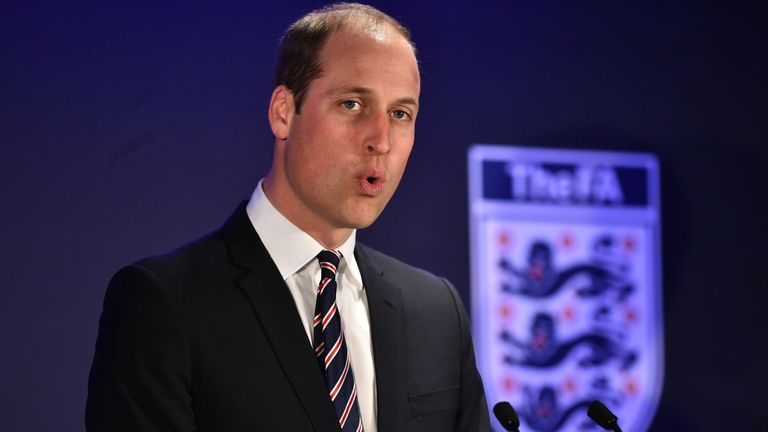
{"points": [[392, 267], [419, 288], [194, 256], [208, 257]]}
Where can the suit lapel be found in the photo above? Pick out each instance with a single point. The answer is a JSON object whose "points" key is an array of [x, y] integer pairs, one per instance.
{"points": [[387, 333], [276, 311]]}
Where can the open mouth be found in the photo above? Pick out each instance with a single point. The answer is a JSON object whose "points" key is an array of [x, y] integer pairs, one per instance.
{"points": [[371, 183]]}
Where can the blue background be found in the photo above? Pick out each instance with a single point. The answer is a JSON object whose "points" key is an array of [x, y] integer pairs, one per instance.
{"points": [[128, 128]]}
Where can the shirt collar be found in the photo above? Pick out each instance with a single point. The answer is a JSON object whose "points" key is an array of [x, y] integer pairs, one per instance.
{"points": [[291, 248]]}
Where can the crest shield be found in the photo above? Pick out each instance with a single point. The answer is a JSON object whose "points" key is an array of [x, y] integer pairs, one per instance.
{"points": [[566, 283]]}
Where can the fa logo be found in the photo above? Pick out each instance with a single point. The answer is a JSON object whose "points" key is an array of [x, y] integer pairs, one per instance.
{"points": [[566, 287]]}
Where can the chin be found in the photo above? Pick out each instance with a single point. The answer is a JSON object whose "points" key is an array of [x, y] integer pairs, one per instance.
{"points": [[360, 223], [359, 216], [362, 220]]}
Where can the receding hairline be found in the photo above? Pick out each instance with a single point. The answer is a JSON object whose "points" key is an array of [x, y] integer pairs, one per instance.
{"points": [[353, 17]]}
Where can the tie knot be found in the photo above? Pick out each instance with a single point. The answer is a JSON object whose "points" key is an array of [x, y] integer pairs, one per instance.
{"points": [[329, 260]]}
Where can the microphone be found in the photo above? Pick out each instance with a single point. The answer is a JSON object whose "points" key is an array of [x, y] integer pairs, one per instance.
{"points": [[601, 415], [507, 416]]}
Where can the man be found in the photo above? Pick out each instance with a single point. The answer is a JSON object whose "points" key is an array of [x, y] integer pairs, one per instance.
{"points": [[279, 321]]}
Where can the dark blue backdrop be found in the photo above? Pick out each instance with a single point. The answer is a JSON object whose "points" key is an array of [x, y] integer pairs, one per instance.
{"points": [[129, 128]]}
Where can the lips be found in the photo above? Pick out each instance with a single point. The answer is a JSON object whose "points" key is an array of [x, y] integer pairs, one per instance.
{"points": [[371, 181]]}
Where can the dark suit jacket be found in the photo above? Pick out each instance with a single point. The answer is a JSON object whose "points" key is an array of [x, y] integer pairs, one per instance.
{"points": [[208, 338]]}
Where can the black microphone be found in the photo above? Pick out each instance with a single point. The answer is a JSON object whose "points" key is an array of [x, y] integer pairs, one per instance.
{"points": [[601, 415], [507, 416]]}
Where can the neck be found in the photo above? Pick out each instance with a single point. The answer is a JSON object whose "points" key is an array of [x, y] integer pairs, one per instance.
{"points": [[329, 237]]}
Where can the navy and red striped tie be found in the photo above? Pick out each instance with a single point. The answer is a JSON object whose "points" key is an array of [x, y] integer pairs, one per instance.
{"points": [[331, 349]]}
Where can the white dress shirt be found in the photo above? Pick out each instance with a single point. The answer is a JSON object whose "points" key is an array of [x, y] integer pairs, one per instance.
{"points": [[295, 255]]}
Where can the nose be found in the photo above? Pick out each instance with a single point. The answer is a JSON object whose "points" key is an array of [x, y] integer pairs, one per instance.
{"points": [[377, 139]]}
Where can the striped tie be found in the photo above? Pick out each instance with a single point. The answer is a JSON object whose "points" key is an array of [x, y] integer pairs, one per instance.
{"points": [[330, 348]]}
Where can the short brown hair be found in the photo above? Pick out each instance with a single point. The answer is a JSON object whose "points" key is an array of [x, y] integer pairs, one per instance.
{"points": [[298, 61]]}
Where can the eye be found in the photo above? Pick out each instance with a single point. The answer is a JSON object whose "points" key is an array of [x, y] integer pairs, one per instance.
{"points": [[400, 114], [351, 105]]}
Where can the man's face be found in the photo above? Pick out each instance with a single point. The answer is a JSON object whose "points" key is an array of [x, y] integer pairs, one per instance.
{"points": [[347, 150]]}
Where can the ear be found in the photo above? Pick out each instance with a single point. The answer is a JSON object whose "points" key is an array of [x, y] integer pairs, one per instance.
{"points": [[281, 111]]}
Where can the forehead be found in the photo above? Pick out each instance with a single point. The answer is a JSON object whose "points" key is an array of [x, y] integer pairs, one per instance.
{"points": [[377, 54]]}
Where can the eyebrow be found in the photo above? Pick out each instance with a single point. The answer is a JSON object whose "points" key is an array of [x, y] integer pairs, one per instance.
{"points": [[365, 91]]}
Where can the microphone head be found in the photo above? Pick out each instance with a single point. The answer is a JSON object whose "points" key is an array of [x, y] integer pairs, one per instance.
{"points": [[601, 415], [507, 416]]}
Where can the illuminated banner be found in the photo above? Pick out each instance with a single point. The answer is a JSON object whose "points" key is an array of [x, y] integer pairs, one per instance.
{"points": [[566, 283]]}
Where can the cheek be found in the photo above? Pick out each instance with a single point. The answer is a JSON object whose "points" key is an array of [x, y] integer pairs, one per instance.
{"points": [[404, 136], [398, 169], [305, 148], [403, 150]]}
